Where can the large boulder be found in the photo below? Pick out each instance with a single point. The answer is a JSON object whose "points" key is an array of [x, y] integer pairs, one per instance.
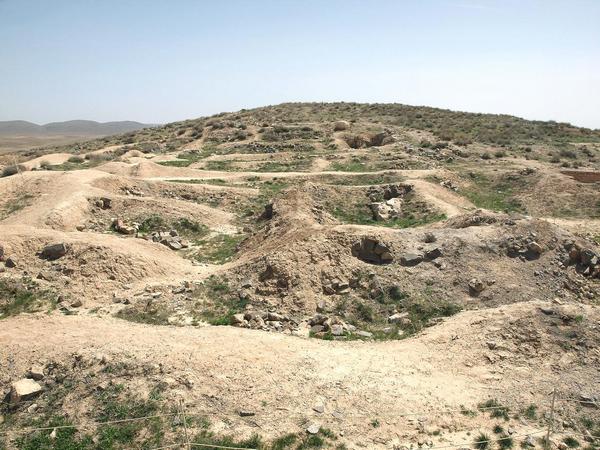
{"points": [[120, 226], [54, 251], [24, 389], [341, 125], [389, 209]]}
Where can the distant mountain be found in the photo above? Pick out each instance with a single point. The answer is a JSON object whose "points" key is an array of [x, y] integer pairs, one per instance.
{"points": [[68, 128]]}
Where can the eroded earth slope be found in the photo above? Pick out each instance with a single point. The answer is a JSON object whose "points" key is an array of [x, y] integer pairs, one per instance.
{"points": [[304, 276]]}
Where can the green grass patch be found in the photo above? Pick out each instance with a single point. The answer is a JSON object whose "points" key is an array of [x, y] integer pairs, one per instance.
{"points": [[530, 412], [152, 316], [350, 166], [15, 204], [356, 210], [296, 165], [216, 302], [66, 438], [223, 166], [187, 158], [496, 194], [217, 181], [17, 297], [217, 249], [505, 441]]}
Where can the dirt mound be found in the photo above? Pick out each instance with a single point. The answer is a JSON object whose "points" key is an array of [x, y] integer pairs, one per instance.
{"points": [[95, 267]]}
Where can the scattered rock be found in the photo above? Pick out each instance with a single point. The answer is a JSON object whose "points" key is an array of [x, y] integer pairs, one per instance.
{"points": [[103, 203], [1, 253], [429, 238], [411, 259], [123, 228], [237, 319], [24, 389], [32, 408], [337, 330], [319, 407], [398, 317], [433, 253], [246, 413], [10, 262], [313, 428], [341, 125], [36, 373], [364, 334], [476, 286]]}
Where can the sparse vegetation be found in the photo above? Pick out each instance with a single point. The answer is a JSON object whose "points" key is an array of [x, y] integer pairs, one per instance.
{"points": [[495, 194], [12, 170], [495, 409], [571, 442], [17, 297], [482, 442], [217, 248]]}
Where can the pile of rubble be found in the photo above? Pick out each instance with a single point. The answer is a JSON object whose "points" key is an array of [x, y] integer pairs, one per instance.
{"points": [[265, 321], [386, 201], [525, 247], [121, 227], [586, 260], [372, 251], [321, 324], [170, 239]]}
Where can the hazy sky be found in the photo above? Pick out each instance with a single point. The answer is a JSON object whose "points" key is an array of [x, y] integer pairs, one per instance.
{"points": [[160, 61]]}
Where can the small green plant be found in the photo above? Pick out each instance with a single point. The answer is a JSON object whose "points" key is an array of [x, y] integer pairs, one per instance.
{"points": [[365, 312], [498, 429], [495, 409], [571, 442], [505, 442], [530, 412], [482, 442], [284, 442], [375, 423]]}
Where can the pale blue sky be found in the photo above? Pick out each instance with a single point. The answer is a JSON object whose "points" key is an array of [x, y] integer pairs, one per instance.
{"points": [[160, 61]]}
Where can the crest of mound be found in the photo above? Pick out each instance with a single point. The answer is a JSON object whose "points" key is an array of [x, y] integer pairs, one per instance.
{"points": [[147, 169]]}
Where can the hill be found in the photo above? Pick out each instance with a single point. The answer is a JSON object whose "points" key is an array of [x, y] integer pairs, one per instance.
{"points": [[20, 134], [71, 127], [304, 275]]}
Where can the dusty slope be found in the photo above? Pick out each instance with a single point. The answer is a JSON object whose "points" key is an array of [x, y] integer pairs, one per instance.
{"points": [[228, 369]]}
